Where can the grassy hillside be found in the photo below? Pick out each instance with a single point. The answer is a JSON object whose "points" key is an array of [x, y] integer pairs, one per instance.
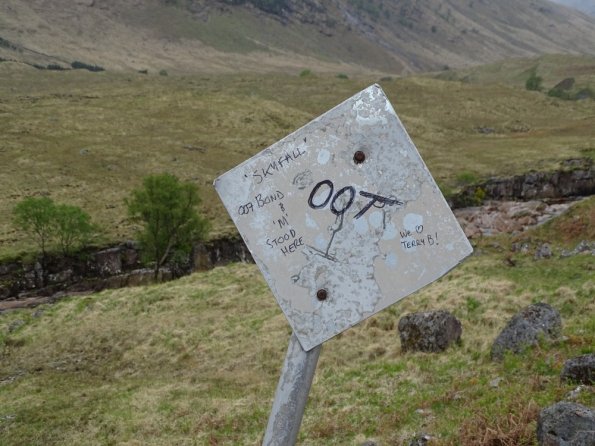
{"points": [[89, 138], [552, 68], [196, 361], [207, 36]]}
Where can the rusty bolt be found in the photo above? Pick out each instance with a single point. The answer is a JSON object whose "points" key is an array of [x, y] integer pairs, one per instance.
{"points": [[359, 157], [321, 294]]}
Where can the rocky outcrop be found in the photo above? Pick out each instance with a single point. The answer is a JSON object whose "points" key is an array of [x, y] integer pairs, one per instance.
{"points": [[219, 252], [575, 178], [93, 270], [526, 328], [430, 331], [120, 265]]}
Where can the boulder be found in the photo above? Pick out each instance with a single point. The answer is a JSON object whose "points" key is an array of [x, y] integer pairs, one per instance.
{"points": [[109, 262], [430, 331], [566, 424], [543, 251], [419, 440], [580, 369], [526, 328]]}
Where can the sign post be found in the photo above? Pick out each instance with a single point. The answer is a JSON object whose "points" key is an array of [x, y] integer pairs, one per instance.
{"points": [[291, 395], [343, 219]]}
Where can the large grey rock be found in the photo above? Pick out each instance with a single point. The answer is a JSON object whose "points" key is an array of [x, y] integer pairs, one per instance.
{"points": [[566, 424], [526, 328], [431, 331], [580, 369], [109, 262]]}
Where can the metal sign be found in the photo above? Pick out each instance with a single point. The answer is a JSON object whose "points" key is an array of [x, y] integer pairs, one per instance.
{"points": [[343, 218]]}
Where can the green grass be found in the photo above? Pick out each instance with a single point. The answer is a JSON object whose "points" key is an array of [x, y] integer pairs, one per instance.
{"points": [[576, 224], [196, 361], [89, 138], [552, 68]]}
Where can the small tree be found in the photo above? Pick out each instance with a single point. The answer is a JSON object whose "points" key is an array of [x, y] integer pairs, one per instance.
{"points": [[36, 216], [166, 209], [73, 227], [534, 82], [65, 225]]}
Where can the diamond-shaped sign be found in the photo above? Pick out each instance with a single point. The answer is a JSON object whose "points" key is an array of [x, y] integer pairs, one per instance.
{"points": [[342, 217]]}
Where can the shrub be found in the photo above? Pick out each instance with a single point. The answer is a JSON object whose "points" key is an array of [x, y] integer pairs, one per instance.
{"points": [[271, 6], [466, 178], [163, 73], [53, 225], [368, 7], [558, 93], [55, 67], [73, 227], [479, 196], [534, 82], [584, 93], [165, 208], [77, 65], [36, 215], [7, 44], [305, 73], [342, 76]]}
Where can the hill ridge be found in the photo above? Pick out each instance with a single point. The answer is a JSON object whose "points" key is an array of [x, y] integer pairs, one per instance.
{"points": [[285, 35]]}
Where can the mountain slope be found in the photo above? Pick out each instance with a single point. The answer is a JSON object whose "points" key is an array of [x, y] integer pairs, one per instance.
{"points": [[255, 35], [586, 6]]}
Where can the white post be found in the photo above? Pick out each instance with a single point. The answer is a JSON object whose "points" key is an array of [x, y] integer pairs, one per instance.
{"points": [[291, 395]]}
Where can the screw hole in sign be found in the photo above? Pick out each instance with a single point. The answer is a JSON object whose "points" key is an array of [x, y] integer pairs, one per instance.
{"points": [[321, 294], [359, 157]]}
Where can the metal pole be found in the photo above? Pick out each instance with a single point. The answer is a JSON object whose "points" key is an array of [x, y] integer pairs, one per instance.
{"points": [[291, 395]]}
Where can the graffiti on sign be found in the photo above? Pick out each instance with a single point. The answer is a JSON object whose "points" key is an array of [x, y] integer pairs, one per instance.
{"points": [[344, 205]]}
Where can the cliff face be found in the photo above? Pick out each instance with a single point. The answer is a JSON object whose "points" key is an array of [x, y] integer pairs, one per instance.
{"points": [[257, 35], [94, 270], [575, 178]]}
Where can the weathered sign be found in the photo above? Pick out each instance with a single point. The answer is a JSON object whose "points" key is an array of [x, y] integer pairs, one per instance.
{"points": [[342, 217]]}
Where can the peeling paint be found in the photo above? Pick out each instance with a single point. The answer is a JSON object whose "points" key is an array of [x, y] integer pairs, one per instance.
{"points": [[368, 233]]}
